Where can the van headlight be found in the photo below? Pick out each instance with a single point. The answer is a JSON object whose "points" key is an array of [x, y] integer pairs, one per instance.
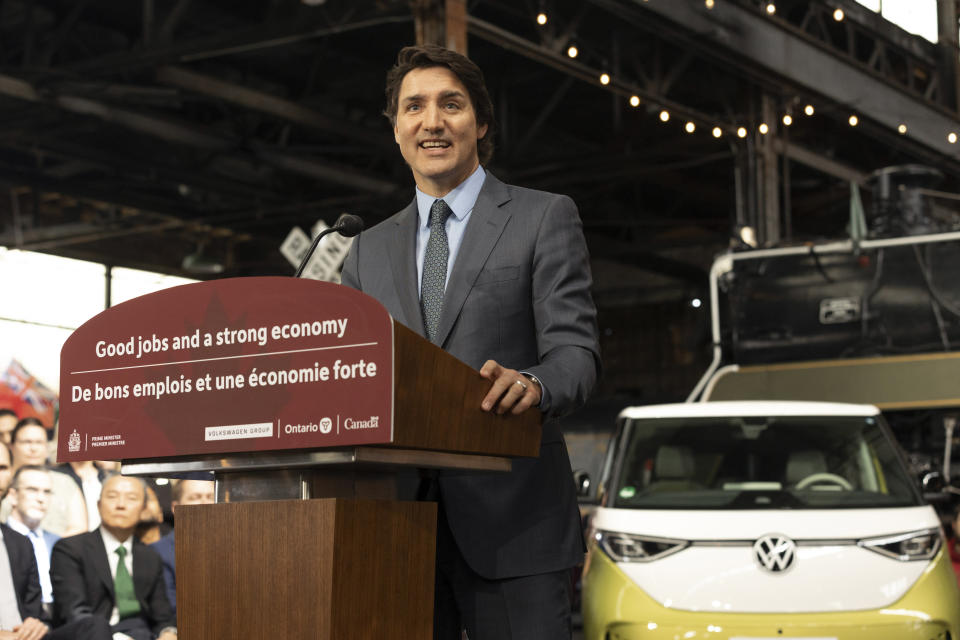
{"points": [[917, 545], [627, 547]]}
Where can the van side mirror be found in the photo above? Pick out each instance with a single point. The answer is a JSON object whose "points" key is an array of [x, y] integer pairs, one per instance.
{"points": [[583, 484], [932, 482]]}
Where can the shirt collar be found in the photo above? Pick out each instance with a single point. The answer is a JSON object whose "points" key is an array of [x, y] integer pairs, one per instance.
{"points": [[461, 200], [18, 526], [111, 543]]}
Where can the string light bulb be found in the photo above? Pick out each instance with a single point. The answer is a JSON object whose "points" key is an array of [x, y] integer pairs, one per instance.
{"points": [[541, 18], [634, 101], [763, 128], [742, 132], [808, 109], [771, 8], [717, 132], [604, 79], [902, 128], [664, 115], [690, 127], [952, 138], [854, 121], [787, 119], [573, 52], [709, 3], [838, 15]]}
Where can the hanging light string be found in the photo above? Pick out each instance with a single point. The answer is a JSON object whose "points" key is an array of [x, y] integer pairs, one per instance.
{"points": [[691, 117]]}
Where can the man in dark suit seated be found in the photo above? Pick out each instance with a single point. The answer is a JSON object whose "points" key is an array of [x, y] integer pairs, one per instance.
{"points": [[20, 602], [108, 574]]}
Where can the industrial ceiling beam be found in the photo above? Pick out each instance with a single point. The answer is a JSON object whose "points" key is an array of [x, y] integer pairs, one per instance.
{"points": [[750, 36], [195, 137], [222, 44], [264, 102], [820, 162], [561, 62]]}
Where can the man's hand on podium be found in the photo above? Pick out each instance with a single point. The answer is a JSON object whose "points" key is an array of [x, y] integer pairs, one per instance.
{"points": [[511, 390]]}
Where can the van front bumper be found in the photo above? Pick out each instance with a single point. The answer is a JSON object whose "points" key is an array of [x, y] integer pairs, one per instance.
{"points": [[615, 608]]}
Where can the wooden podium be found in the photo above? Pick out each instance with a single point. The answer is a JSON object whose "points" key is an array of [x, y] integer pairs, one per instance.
{"points": [[317, 544], [317, 414]]}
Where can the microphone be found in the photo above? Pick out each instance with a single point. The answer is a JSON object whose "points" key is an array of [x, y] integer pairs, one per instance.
{"points": [[347, 225]]}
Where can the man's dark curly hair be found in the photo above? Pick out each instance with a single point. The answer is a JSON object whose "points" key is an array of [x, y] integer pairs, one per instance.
{"points": [[467, 72]]}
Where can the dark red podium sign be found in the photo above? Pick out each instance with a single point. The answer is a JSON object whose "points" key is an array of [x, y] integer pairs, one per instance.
{"points": [[243, 364]]}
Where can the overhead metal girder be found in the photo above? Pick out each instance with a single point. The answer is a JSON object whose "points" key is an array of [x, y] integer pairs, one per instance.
{"points": [[739, 33], [187, 135], [820, 162], [222, 44], [266, 103]]}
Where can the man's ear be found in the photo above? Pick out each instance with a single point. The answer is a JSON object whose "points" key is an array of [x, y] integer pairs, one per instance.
{"points": [[482, 131]]}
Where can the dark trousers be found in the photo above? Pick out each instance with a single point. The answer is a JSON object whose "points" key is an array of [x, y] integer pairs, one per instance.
{"points": [[135, 627], [525, 608], [89, 628]]}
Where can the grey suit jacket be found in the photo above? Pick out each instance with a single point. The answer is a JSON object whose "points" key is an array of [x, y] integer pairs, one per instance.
{"points": [[518, 293]]}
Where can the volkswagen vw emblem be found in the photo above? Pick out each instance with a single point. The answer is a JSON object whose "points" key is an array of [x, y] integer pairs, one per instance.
{"points": [[775, 552]]}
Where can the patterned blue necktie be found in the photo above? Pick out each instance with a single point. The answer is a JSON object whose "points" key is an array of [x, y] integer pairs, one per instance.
{"points": [[434, 279]]}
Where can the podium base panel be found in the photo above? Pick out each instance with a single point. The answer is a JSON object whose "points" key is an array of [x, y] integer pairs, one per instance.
{"points": [[306, 570]]}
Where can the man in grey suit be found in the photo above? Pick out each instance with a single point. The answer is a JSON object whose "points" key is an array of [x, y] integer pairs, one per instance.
{"points": [[499, 276]]}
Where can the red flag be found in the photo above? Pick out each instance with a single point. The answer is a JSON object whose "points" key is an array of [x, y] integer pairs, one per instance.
{"points": [[26, 395]]}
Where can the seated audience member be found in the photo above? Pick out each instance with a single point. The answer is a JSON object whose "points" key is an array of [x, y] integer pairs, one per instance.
{"points": [[109, 574], [89, 476], [30, 496], [8, 420], [66, 514], [151, 526], [184, 492], [21, 613]]}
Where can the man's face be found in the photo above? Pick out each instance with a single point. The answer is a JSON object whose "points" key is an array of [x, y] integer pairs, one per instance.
{"points": [[196, 492], [30, 447], [6, 471], [30, 497], [437, 129], [7, 423], [121, 502]]}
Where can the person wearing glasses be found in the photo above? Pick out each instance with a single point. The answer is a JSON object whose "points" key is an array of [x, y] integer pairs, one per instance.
{"points": [[66, 512], [30, 495]]}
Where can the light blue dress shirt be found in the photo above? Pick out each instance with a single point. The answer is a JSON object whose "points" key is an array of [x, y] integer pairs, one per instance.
{"points": [[42, 553], [460, 201]]}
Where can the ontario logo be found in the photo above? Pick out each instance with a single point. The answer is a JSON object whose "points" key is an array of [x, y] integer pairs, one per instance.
{"points": [[73, 444]]}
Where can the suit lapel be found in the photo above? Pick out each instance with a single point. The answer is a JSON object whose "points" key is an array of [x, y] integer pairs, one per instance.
{"points": [[141, 574], [486, 225], [12, 556], [403, 260], [98, 556]]}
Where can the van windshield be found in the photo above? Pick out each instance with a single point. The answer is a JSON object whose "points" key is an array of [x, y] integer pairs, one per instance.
{"points": [[761, 463]]}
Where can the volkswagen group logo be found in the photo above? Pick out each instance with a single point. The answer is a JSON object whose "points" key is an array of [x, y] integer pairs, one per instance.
{"points": [[775, 553]]}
